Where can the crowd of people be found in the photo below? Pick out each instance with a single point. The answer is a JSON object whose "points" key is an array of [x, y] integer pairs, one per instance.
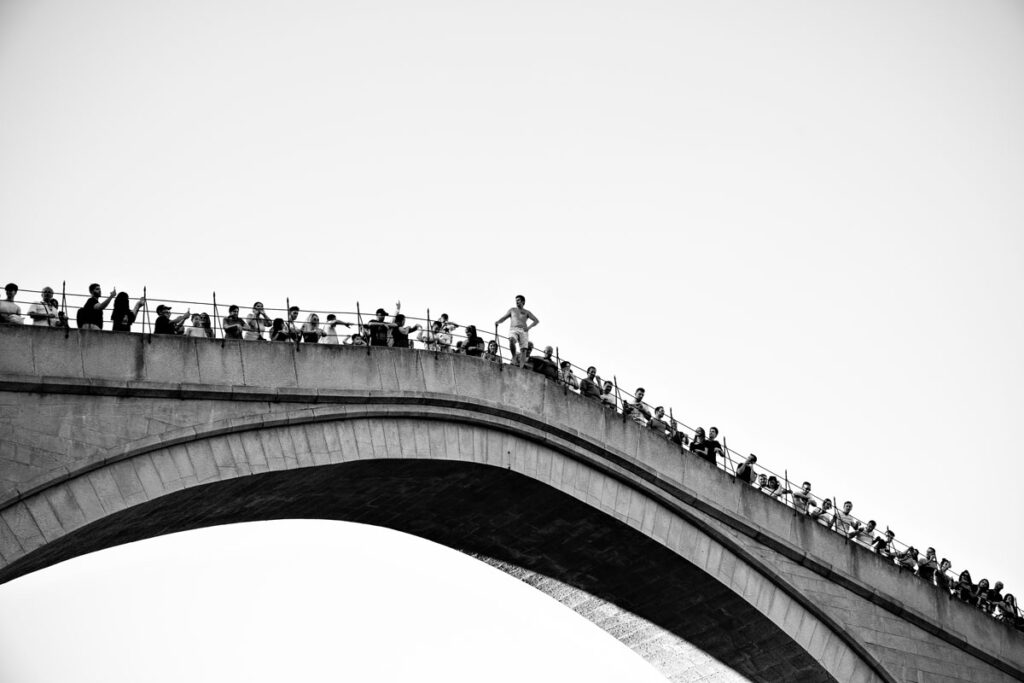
{"points": [[439, 336]]}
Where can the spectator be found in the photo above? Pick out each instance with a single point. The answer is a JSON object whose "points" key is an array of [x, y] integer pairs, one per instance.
{"points": [[492, 354], [907, 559], [355, 340], [699, 446], [863, 534], [90, 316], [637, 410], [545, 364], [981, 596], [474, 345], [233, 325], [964, 589], [429, 338], [292, 329], [204, 321], [589, 384], [1008, 612], [197, 329], [942, 576], [607, 397], [311, 331], [47, 312], [713, 447], [379, 330], [165, 325], [844, 520], [802, 499], [331, 332], [825, 514], [567, 376], [443, 333], [994, 597], [519, 329], [10, 312], [883, 546], [278, 331], [773, 487], [745, 472], [256, 322], [657, 421], [927, 567], [124, 314]]}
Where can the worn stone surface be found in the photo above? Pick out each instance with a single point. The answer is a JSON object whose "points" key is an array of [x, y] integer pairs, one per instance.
{"points": [[114, 437]]}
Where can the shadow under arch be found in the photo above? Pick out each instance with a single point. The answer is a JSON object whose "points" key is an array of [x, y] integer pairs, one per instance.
{"points": [[508, 519]]}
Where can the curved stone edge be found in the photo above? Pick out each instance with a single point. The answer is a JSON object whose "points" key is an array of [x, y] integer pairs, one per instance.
{"points": [[341, 404]]}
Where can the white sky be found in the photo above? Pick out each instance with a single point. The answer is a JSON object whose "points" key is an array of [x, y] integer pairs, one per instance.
{"points": [[797, 221]]}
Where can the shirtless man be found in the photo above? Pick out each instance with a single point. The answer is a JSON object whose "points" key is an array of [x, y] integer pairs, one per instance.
{"points": [[522, 322]]}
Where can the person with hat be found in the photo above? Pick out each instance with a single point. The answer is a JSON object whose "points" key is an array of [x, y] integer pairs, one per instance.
{"points": [[164, 323], [10, 312]]}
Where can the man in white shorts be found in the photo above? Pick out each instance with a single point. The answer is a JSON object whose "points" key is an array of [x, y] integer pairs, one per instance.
{"points": [[519, 329]]}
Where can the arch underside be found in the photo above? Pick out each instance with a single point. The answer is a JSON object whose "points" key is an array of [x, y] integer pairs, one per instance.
{"points": [[649, 597]]}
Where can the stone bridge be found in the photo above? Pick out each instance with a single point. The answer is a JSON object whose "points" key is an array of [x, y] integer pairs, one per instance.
{"points": [[107, 438]]}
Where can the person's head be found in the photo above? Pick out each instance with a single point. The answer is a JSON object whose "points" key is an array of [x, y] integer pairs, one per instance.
{"points": [[806, 487], [847, 506], [399, 319], [548, 352], [232, 310], [608, 387], [47, 293], [197, 320], [331, 317], [11, 289], [983, 584], [436, 327], [713, 432], [492, 346], [998, 586], [699, 434], [204, 318], [945, 564], [277, 325], [870, 527], [659, 411], [293, 313], [471, 330], [95, 289], [889, 534], [163, 310], [258, 307], [591, 372], [520, 300], [640, 391], [120, 301], [381, 313], [826, 504], [930, 553], [1011, 602], [443, 318], [773, 481], [965, 576], [314, 319], [762, 480]]}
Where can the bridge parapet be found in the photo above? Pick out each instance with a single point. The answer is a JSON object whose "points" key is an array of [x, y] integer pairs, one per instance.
{"points": [[93, 393]]}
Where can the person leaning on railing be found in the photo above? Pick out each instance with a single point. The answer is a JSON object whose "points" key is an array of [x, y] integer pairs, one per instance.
{"points": [[46, 312], [165, 325], [590, 385], [10, 312], [233, 325]]}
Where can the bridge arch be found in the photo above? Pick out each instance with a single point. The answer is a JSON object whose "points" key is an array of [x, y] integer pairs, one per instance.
{"points": [[257, 430]]}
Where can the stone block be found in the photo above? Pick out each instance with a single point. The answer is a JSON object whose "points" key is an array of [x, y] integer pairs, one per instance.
{"points": [[62, 502], [106, 490], [45, 518], [10, 546], [343, 368], [438, 372], [86, 498], [408, 373], [112, 355], [272, 364], [149, 477], [220, 362], [200, 454], [172, 360], [52, 355]]}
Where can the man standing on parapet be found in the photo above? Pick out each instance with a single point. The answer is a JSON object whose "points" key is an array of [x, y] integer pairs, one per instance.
{"points": [[519, 330]]}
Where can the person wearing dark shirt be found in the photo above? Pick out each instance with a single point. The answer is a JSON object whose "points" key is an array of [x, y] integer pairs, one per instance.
{"points": [[657, 422], [164, 323], [714, 449], [90, 316], [883, 545], [589, 385], [379, 330], [927, 567], [941, 577], [124, 313], [474, 345], [544, 365], [233, 325], [699, 445], [400, 332], [745, 472]]}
